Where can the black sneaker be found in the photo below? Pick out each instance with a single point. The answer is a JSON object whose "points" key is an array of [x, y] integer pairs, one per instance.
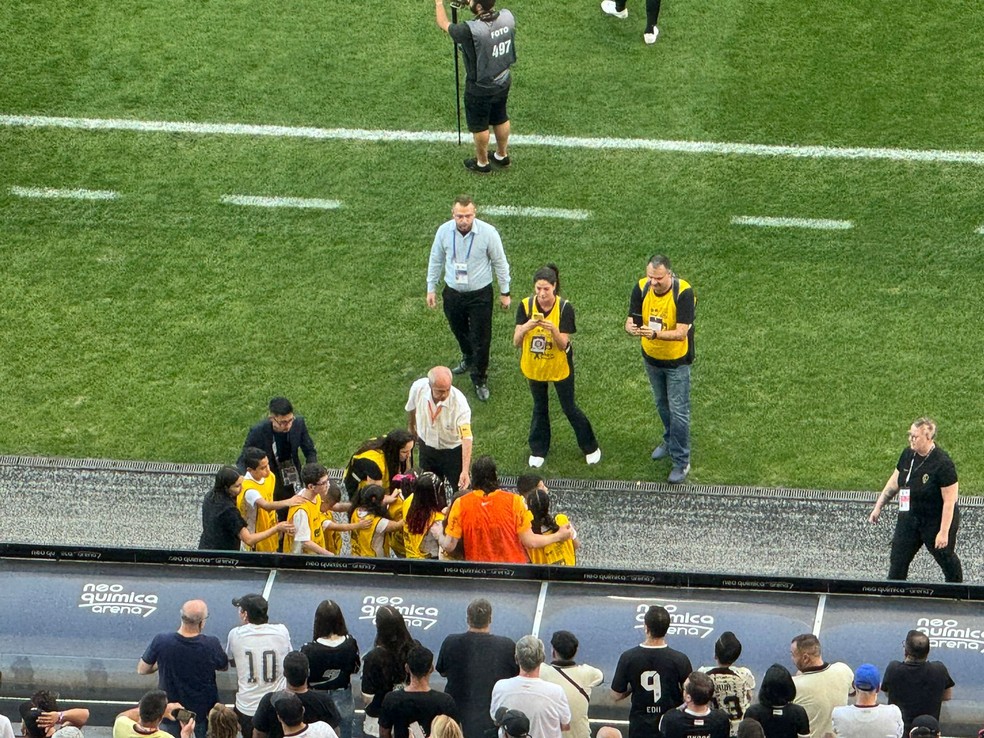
{"points": [[463, 368], [495, 161], [473, 165]]}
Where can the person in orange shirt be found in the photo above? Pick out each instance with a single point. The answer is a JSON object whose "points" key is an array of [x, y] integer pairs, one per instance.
{"points": [[492, 523]]}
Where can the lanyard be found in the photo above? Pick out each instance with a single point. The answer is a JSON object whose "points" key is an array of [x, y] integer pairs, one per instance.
{"points": [[454, 249], [434, 414], [913, 461]]}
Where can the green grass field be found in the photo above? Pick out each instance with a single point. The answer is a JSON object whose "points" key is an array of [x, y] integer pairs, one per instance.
{"points": [[157, 325]]}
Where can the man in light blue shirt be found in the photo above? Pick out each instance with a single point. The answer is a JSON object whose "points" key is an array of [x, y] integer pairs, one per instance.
{"points": [[470, 253]]}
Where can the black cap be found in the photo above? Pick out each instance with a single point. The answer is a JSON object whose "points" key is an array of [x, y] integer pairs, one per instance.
{"points": [[254, 605], [513, 722]]}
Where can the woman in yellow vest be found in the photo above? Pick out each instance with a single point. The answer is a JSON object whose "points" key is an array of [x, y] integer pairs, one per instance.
{"points": [[537, 496], [423, 514], [369, 504], [377, 461], [544, 324]]}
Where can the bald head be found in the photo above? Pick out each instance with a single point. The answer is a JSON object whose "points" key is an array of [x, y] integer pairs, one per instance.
{"points": [[439, 379], [194, 613]]}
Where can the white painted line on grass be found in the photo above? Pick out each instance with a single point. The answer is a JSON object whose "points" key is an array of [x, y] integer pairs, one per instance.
{"points": [[980, 230], [818, 224], [934, 156], [53, 193], [535, 212], [281, 202]]}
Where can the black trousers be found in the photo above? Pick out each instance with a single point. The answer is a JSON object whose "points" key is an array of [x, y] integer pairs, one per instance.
{"points": [[444, 462], [540, 423], [470, 316], [914, 531], [245, 723], [652, 11]]}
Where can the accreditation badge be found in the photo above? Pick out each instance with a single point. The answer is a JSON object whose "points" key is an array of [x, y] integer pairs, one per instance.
{"points": [[655, 323], [461, 273], [904, 497]]}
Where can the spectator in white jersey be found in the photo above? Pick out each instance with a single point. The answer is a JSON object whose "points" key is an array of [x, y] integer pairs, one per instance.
{"points": [[866, 718], [733, 685], [820, 686], [257, 649]]}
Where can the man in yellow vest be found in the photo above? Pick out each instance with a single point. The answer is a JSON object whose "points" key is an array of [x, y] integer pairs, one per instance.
{"points": [[661, 313]]}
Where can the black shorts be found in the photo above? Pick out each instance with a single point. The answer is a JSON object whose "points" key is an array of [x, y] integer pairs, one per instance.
{"points": [[482, 111]]}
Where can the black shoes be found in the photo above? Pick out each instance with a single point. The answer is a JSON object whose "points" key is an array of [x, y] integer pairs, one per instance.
{"points": [[474, 166]]}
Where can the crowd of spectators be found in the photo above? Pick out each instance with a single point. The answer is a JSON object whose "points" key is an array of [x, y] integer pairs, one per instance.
{"points": [[495, 687]]}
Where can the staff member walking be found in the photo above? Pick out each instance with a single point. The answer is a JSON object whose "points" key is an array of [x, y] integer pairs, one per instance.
{"points": [[925, 481], [544, 324], [488, 46], [470, 253]]}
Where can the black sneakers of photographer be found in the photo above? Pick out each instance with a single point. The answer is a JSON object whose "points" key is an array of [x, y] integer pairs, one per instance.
{"points": [[495, 161], [474, 166]]}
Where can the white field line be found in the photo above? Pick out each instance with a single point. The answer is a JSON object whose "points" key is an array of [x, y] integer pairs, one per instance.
{"points": [[281, 202], [535, 212], [814, 223], [354, 134], [980, 230], [52, 193]]}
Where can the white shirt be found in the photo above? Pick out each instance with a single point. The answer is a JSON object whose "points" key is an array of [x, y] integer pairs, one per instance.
{"points": [[316, 730], [545, 704], [6, 729], [258, 651], [587, 677], [439, 425]]}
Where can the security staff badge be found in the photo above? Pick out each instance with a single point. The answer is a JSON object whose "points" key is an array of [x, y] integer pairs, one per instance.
{"points": [[905, 495], [461, 273], [540, 344]]}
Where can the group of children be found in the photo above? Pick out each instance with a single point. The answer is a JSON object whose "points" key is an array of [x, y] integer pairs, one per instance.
{"points": [[396, 513]]}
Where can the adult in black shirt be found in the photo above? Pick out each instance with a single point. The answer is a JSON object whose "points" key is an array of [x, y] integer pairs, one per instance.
{"points": [[223, 527], [639, 667], [334, 658], [695, 718], [282, 434], [925, 480], [417, 702], [917, 685], [473, 662], [775, 711], [384, 667], [318, 706]]}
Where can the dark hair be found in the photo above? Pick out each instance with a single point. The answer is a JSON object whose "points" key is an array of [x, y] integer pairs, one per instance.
{"points": [[225, 477], [548, 273], [727, 649], [390, 445], [778, 687], [152, 706], [253, 457], [280, 406], [371, 497], [479, 613], [538, 503], [659, 260], [527, 482], [657, 621], [289, 708], [807, 643], [42, 700], [564, 643], [750, 728], [333, 492], [428, 498], [419, 661], [393, 638], [297, 669], [329, 620], [485, 476], [700, 687], [917, 645], [311, 473], [464, 200]]}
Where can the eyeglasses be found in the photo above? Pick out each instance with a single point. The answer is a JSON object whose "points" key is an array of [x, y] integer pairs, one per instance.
{"points": [[282, 422]]}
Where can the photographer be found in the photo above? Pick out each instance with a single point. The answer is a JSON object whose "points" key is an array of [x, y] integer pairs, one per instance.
{"points": [[488, 45]]}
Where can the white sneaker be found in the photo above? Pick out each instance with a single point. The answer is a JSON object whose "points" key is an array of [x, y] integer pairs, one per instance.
{"points": [[594, 457], [650, 38], [608, 6], [536, 461]]}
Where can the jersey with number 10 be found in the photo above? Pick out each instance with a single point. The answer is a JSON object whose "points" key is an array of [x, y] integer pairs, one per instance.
{"points": [[258, 651], [654, 675]]}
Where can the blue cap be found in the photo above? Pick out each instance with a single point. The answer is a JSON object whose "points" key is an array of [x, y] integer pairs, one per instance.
{"points": [[867, 678]]}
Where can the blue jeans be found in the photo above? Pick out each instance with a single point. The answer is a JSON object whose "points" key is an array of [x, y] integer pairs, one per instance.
{"points": [[671, 390]]}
